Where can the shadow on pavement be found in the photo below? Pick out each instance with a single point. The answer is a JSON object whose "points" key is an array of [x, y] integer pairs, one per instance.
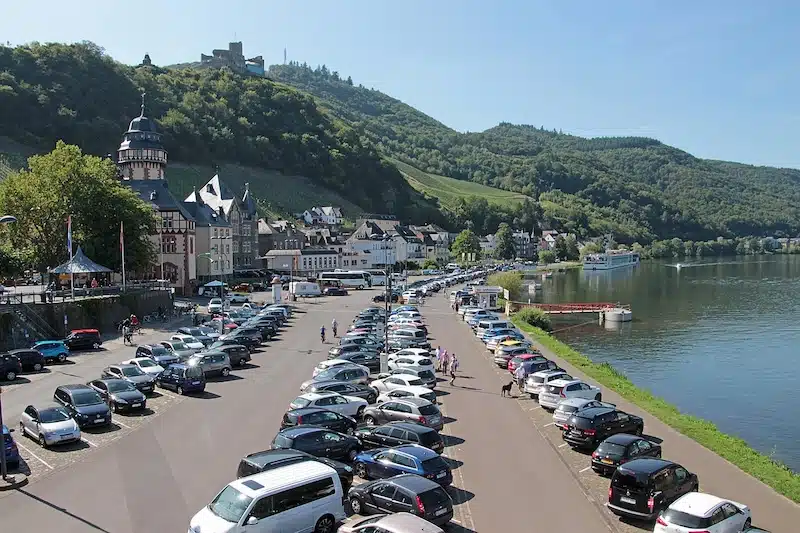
{"points": [[103, 430], [450, 440], [230, 377], [452, 527], [18, 381], [248, 366], [448, 419], [454, 463], [63, 510], [459, 495], [23, 468], [138, 414], [653, 438], [69, 447], [205, 395], [638, 524]]}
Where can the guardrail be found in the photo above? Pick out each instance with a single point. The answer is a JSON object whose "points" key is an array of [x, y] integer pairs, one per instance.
{"points": [[20, 295]]}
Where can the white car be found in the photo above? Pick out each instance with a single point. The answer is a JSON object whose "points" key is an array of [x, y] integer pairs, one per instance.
{"points": [[49, 424], [146, 365], [415, 362], [405, 392], [330, 363], [697, 511], [215, 305], [332, 401], [418, 352], [538, 380], [396, 380], [561, 389], [189, 341], [238, 299]]}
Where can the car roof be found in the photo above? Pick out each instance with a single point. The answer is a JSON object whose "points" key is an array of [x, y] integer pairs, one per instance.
{"points": [[297, 473], [87, 330], [415, 450], [575, 402], [110, 380], [266, 457], [645, 466], [299, 430], [415, 356], [120, 366], [47, 406], [622, 438], [75, 386], [58, 341], [699, 504], [410, 426], [414, 482], [591, 412], [317, 395], [413, 400], [563, 382], [549, 371]]}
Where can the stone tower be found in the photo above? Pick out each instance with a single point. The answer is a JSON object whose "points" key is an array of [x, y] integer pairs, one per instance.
{"points": [[141, 156]]}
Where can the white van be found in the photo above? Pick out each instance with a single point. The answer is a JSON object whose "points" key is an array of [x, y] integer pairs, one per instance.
{"points": [[485, 325], [299, 498], [304, 288]]}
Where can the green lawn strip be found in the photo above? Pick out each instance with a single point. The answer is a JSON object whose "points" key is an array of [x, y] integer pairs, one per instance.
{"points": [[773, 473]]}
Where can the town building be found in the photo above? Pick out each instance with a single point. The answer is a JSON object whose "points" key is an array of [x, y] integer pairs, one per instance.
{"points": [[233, 58], [215, 241], [436, 242], [325, 216], [487, 245], [408, 247], [142, 163], [525, 245], [278, 235], [308, 262]]}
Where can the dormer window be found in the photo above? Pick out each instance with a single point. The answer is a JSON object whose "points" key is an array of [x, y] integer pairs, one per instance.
{"points": [[210, 189], [153, 196]]}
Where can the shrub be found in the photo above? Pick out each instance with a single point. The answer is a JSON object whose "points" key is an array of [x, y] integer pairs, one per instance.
{"points": [[512, 281], [535, 317]]}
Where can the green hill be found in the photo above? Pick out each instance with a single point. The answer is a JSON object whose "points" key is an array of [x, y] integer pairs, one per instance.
{"points": [[637, 188]]}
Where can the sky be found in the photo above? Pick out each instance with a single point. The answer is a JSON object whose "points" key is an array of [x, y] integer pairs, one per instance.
{"points": [[715, 78]]}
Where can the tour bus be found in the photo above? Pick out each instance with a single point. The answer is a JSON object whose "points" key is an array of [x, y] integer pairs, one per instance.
{"points": [[358, 279], [378, 277]]}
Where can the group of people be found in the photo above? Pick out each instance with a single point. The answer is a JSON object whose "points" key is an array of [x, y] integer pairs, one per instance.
{"points": [[446, 363], [129, 326]]}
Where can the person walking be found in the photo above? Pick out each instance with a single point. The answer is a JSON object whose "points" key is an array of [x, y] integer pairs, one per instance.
{"points": [[521, 373], [456, 306], [453, 369], [445, 361], [438, 354], [334, 327]]}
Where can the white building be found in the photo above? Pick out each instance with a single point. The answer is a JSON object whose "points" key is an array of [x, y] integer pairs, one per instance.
{"points": [[215, 248], [328, 216], [487, 245]]}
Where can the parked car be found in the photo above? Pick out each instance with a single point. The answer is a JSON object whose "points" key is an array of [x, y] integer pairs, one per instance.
{"points": [[350, 406], [406, 459], [411, 409], [84, 405], [178, 349], [214, 363], [344, 373], [10, 367], [198, 333], [249, 337], [428, 377], [643, 488], [52, 350], [255, 463], [504, 354], [536, 381], [370, 360], [146, 365], [588, 427], [31, 360], [190, 341], [560, 389], [133, 374], [237, 353], [622, 448], [215, 305], [415, 362], [315, 416], [160, 355], [393, 381], [408, 493], [335, 291], [327, 364], [408, 392], [318, 441], [567, 408], [83, 339], [348, 389], [9, 446], [49, 424], [119, 394], [337, 351], [399, 433], [182, 379], [697, 511]]}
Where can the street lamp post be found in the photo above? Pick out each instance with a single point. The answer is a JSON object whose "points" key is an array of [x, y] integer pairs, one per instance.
{"points": [[5, 219], [387, 307]]}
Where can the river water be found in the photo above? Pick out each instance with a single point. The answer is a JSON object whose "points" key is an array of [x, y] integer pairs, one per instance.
{"points": [[719, 338]]}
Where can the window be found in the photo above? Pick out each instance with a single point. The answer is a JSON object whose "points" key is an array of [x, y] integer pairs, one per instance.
{"points": [[310, 492], [403, 460], [384, 490]]}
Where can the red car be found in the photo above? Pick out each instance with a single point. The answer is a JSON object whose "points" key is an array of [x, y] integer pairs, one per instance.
{"points": [[512, 364]]}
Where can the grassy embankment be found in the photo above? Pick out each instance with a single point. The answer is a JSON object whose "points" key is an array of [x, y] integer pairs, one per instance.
{"points": [[776, 475]]}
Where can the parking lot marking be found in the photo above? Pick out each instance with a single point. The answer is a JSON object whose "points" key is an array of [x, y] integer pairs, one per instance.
{"points": [[550, 424], [90, 443], [562, 445], [35, 456], [585, 469], [117, 422]]}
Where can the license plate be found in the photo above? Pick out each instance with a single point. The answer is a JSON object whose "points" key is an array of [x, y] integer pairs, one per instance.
{"points": [[440, 475], [136, 405], [623, 499], [99, 419], [65, 437], [441, 511], [195, 383], [607, 461]]}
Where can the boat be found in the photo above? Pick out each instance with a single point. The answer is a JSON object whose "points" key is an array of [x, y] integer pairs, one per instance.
{"points": [[617, 314], [610, 260]]}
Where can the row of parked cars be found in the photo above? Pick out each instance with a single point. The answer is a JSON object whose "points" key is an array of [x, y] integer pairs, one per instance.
{"points": [[643, 485], [46, 352], [350, 420]]}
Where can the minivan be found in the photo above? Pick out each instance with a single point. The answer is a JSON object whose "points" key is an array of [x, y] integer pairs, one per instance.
{"points": [[485, 325], [83, 339], [212, 363], [302, 497], [642, 488], [182, 378]]}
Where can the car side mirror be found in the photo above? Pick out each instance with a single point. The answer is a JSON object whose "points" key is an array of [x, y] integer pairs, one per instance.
{"points": [[12, 430], [251, 521]]}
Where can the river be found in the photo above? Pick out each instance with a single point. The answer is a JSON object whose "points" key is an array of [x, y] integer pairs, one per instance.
{"points": [[719, 338]]}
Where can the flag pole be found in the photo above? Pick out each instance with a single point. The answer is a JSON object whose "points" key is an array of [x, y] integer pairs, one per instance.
{"points": [[122, 245], [69, 245]]}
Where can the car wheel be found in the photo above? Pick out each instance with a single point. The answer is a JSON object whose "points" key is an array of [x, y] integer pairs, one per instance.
{"points": [[639, 431], [325, 524], [242, 361], [360, 412], [351, 455], [226, 372], [96, 345], [37, 367], [62, 357], [355, 504], [42, 441], [179, 390], [747, 524], [361, 287], [599, 397], [372, 398], [21, 428], [361, 471], [533, 396], [369, 420], [11, 375]]}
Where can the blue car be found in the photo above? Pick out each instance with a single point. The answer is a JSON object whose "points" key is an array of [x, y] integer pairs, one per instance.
{"points": [[500, 332], [52, 350], [408, 459], [182, 379], [10, 449]]}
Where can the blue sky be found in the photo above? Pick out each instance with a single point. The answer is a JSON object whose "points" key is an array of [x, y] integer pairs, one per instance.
{"points": [[715, 78]]}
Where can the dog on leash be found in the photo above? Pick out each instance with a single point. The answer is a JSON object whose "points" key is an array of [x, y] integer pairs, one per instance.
{"points": [[506, 390]]}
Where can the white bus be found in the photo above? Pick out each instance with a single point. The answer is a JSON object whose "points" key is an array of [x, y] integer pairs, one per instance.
{"points": [[359, 279], [378, 277]]}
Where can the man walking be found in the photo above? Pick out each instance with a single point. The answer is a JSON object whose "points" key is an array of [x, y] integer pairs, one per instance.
{"points": [[334, 327], [445, 361], [521, 373], [438, 354], [453, 369]]}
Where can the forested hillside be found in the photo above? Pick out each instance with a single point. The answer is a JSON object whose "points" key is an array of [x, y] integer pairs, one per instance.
{"points": [[79, 94], [637, 188]]}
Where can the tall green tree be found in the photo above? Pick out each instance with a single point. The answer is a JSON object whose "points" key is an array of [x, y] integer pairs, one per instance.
{"points": [[504, 242], [560, 248], [67, 182], [547, 256], [466, 243], [573, 252]]}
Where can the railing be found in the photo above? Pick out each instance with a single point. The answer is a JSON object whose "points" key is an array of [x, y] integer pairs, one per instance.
{"points": [[579, 307], [22, 294]]}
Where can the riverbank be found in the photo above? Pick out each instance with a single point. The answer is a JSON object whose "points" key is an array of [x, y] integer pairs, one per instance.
{"points": [[733, 449]]}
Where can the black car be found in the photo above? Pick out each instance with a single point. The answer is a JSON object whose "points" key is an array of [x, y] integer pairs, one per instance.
{"points": [[316, 416], [621, 448], [368, 359], [238, 354], [132, 373], [318, 442], [406, 493], [83, 339], [382, 297], [30, 359], [588, 427], [197, 333], [399, 433], [251, 338], [10, 367], [269, 320], [336, 351], [269, 459], [84, 405], [346, 389], [119, 394], [335, 291], [643, 488], [267, 330], [157, 353], [366, 342]]}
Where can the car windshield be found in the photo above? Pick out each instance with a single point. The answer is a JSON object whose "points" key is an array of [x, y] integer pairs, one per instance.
{"points": [[85, 398], [177, 345], [426, 374], [159, 351], [566, 408], [611, 449], [302, 402], [281, 441], [427, 410], [194, 372], [215, 301], [629, 480], [190, 340], [207, 331], [678, 518], [49, 416], [433, 499], [435, 463], [230, 504], [147, 363], [414, 381], [131, 371], [328, 374], [120, 386]]}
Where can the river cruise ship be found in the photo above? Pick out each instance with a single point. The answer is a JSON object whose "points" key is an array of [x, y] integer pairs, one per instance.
{"points": [[610, 260]]}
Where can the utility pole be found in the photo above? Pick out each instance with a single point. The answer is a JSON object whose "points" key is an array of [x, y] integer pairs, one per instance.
{"points": [[387, 307]]}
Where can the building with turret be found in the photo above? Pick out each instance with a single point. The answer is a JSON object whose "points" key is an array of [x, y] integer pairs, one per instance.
{"points": [[233, 58]]}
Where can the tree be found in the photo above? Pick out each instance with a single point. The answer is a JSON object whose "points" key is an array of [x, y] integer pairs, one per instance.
{"points": [[591, 248], [573, 253], [504, 243], [547, 256], [466, 243], [430, 264], [560, 248], [66, 182]]}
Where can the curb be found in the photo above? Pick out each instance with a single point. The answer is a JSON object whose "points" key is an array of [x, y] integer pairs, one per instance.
{"points": [[13, 482]]}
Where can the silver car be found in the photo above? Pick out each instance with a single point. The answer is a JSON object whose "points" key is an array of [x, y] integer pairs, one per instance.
{"points": [[212, 362], [537, 380], [505, 354], [411, 409], [566, 408], [347, 373], [49, 424]]}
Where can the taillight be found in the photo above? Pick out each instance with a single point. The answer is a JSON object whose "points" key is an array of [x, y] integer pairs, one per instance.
{"points": [[595, 455], [660, 521], [420, 506], [590, 432], [421, 420], [651, 504], [562, 394], [299, 420], [610, 493]]}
